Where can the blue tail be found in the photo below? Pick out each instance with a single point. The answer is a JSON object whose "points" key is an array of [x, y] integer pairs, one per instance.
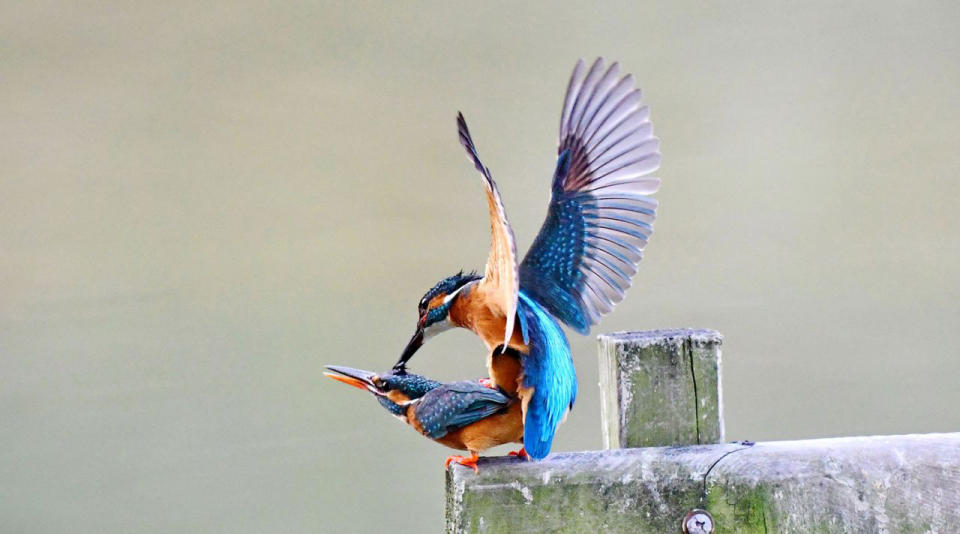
{"points": [[548, 368]]}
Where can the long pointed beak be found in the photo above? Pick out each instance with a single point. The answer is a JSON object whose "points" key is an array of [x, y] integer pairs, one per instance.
{"points": [[415, 343], [357, 378]]}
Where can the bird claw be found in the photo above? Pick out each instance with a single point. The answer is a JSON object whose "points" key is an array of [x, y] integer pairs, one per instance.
{"points": [[469, 461], [521, 454], [486, 382]]}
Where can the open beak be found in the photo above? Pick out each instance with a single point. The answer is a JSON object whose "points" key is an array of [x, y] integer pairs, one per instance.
{"points": [[357, 378], [415, 343]]}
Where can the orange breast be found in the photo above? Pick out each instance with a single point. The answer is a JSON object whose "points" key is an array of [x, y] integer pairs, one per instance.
{"points": [[471, 311], [474, 312], [505, 370]]}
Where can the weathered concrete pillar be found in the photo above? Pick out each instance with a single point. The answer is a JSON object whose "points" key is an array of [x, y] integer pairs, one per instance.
{"points": [[660, 387]]}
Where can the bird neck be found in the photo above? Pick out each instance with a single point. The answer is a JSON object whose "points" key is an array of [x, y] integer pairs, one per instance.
{"points": [[397, 401], [392, 407], [415, 387]]}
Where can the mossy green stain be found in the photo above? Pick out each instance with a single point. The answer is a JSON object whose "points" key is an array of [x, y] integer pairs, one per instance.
{"points": [[741, 510]]}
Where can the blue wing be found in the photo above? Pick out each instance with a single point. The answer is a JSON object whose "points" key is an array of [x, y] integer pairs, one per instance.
{"points": [[547, 370], [600, 214], [456, 405]]}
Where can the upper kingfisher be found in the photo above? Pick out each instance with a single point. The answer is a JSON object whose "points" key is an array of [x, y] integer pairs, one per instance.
{"points": [[461, 415], [580, 264]]}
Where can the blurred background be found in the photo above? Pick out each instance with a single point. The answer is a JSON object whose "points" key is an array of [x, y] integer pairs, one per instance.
{"points": [[203, 204]]}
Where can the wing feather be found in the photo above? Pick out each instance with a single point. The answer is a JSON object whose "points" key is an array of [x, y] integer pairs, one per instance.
{"points": [[456, 405], [501, 278], [600, 215]]}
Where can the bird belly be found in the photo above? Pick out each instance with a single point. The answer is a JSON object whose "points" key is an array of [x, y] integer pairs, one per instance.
{"points": [[505, 369], [451, 439]]}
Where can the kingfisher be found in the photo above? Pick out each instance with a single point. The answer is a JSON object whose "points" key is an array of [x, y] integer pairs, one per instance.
{"points": [[469, 416], [598, 221]]}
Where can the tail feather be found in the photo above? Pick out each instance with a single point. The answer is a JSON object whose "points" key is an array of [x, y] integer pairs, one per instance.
{"points": [[548, 370]]}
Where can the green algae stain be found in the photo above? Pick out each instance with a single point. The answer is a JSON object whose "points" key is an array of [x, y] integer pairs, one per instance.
{"points": [[740, 510]]}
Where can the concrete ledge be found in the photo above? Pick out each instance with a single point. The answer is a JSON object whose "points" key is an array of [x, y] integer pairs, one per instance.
{"points": [[866, 484]]}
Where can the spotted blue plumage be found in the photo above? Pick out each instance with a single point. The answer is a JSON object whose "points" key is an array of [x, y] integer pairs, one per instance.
{"points": [[456, 405], [552, 273], [548, 368], [437, 314], [600, 215], [413, 386], [392, 407], [443, 287]]}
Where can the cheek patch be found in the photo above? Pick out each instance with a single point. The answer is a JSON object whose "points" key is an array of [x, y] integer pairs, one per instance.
{"points": [[397, 397], [437, 314]]}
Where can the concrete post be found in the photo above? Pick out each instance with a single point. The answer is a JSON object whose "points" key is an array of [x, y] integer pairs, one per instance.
{"points": [[661, 387]]}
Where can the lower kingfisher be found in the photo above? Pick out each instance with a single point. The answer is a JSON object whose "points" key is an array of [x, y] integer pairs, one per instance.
{"points": [[469, 416], [580, 264]]}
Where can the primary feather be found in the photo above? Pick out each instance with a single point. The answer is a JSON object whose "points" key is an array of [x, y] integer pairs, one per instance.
{"points": [[600, 215]]}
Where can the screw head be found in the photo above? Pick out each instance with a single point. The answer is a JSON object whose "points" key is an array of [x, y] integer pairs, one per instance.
{"points": [[698, 521]]}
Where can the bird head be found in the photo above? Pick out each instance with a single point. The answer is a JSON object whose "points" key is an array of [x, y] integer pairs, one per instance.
{"points": [[393, 390], [433, 313]]}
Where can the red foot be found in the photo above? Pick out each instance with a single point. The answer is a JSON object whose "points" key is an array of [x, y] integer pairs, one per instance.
{"points": [[522, 454], [469, 461], [486, 382]]}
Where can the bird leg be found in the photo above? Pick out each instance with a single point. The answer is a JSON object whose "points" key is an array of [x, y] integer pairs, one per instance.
{"points": [[469, 461], [486, 382], [521, 454]]}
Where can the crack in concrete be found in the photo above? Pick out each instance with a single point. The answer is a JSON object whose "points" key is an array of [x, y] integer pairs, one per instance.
{"points": [[696, 396], [703, 491]]}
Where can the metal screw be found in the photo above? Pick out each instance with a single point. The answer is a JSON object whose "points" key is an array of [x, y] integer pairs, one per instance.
{"points": [[698, 521]]}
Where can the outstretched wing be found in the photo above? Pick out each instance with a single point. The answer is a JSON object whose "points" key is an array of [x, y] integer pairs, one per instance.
{"points": [[600, 214], [456, 405], [500, 278]]}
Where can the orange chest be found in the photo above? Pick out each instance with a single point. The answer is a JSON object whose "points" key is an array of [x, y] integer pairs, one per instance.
{"points": [[471, 311]]}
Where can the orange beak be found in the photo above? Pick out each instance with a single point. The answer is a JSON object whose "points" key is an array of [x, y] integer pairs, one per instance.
{"points": [[347, 380], [357, 378]]}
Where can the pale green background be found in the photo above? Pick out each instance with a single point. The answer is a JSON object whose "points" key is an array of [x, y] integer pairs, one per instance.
{"points": [[201, 205]]}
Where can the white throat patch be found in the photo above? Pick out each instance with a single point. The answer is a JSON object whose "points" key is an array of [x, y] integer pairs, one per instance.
{"points": [[448, 298], [437, 327]]}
